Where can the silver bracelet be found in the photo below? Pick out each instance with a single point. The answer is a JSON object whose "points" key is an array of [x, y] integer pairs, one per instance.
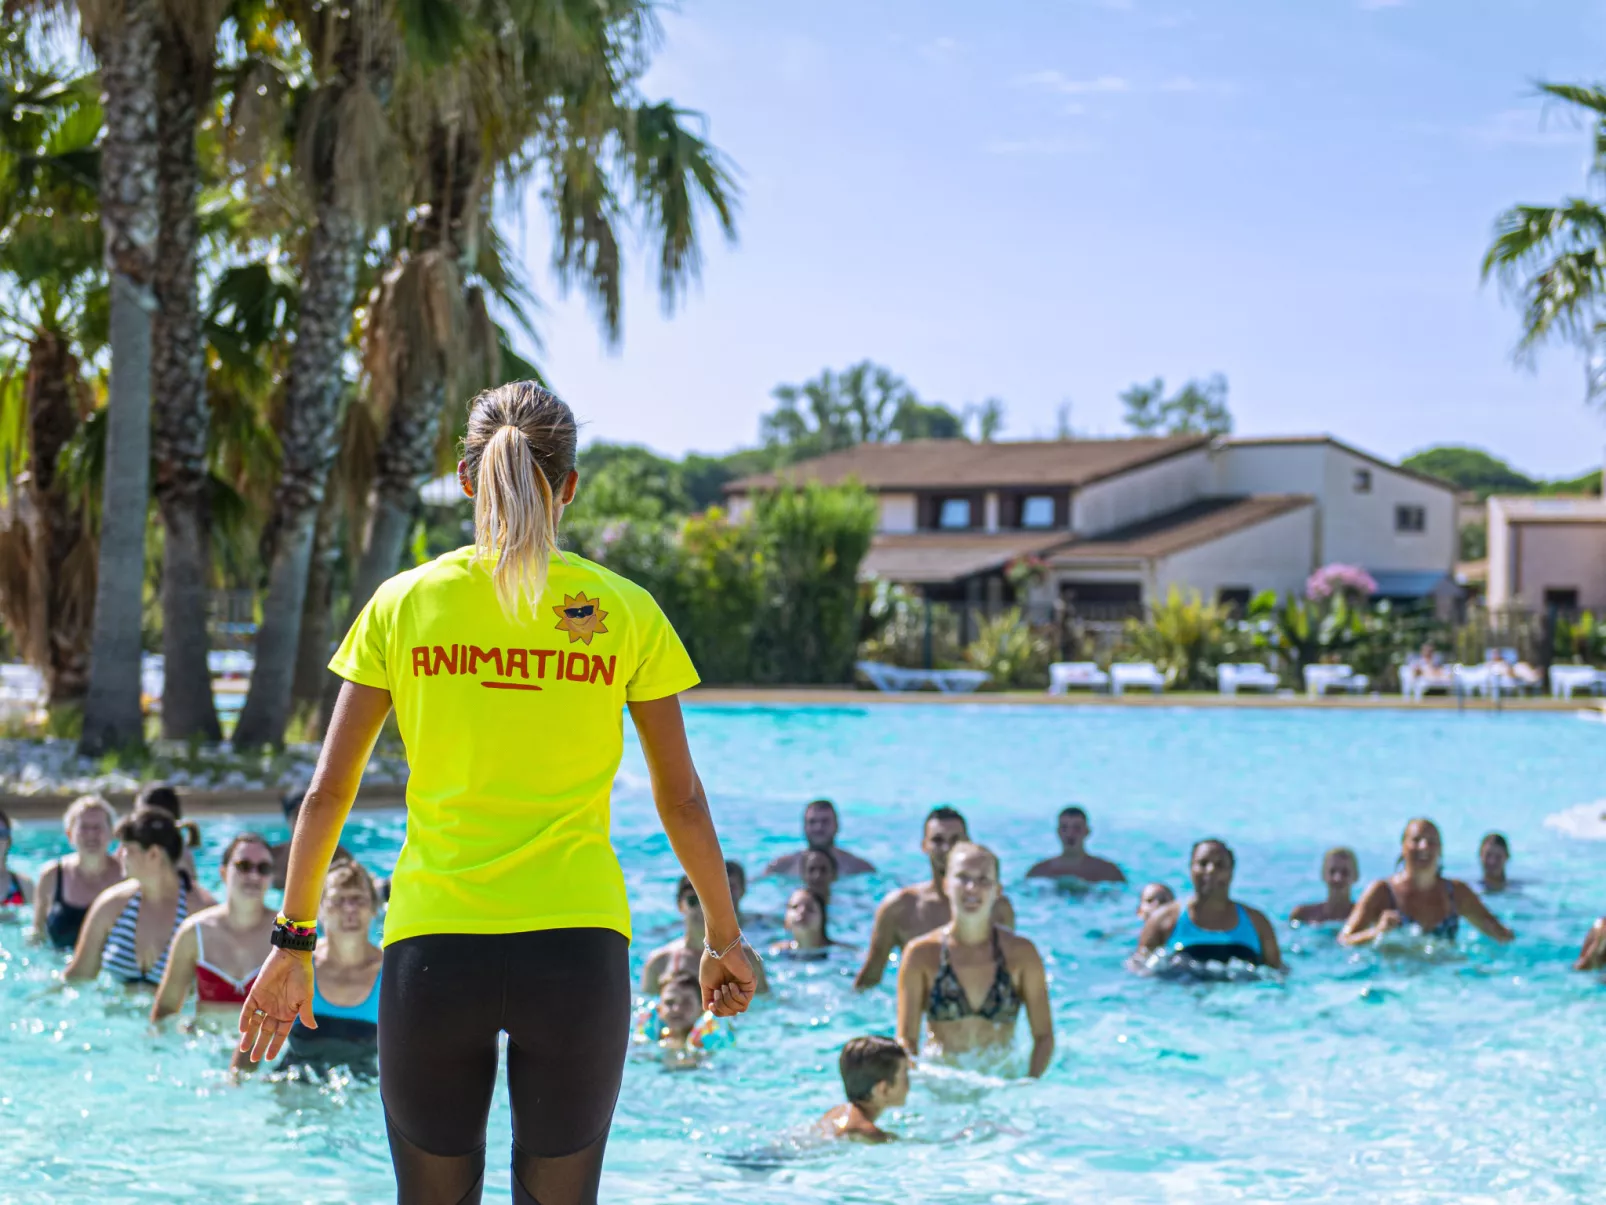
{"points": [[716, 955]]}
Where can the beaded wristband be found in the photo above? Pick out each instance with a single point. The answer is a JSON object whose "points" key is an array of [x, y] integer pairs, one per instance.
{"points": [[299, 927]]}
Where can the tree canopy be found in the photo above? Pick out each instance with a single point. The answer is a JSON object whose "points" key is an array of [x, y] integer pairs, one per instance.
{"points": [[1198, 408]]}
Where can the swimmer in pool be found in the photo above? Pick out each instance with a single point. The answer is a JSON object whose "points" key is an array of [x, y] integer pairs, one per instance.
{"points": [[818, 872], [130, 925], [69, 885], [345, 979], [820, 825], [220, 949], [1073, 861], [1212, 926], [680, 1008], [1340, 870], [1154, 896], [685, 952], [968, 980], [875, 1076], [1494, 851], [806, 935], [161, 796], [16, 890], [908, 912], [1419, 894]]}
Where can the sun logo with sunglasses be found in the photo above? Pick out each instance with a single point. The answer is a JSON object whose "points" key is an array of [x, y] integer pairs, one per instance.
{"points": [[581, 617]]}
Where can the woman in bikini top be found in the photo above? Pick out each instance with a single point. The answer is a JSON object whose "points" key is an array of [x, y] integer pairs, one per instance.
{"points": [[220, 949], [1419, 895], [932, 978]]}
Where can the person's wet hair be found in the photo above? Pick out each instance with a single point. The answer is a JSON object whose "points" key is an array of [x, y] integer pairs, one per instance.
{"points": [[88, 803], [1497, 839], [965, 847], [291, 800], [163, 797], [5, 825], [238, 840], [1340, 851], [830, 857], [735, 870], [820, 803], [152, 828], [866, 1062], [683, 979], [1073, 810], [1203, 841], [943, 812], [683, 889]]}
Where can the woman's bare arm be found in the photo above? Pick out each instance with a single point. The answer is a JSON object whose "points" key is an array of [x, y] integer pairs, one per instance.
{"points": [[1157, 929], [43, 897], [914, 993], [1371, 917], [1271, 954], [1034, 993], [1470, 905], [728, 984], [180, 972], [85, 961]]}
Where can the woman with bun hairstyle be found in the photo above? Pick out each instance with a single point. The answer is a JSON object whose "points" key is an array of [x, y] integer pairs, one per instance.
{"points": [[509, 664]]}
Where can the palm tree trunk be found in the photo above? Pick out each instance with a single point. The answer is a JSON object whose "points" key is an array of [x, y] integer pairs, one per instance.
{"points": [[63, 561], [312, 658], [311, 420], [181, 414], [130, 219]]}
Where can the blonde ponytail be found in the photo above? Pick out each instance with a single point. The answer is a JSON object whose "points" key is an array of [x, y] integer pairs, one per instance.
{"points": [[520, 442]]}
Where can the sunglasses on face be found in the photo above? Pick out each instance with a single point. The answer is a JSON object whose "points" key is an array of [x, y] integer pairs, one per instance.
{"points": [[579, 612], [246, 866]]}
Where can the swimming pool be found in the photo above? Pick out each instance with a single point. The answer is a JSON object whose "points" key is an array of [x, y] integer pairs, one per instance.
{"points": [[1467, 1080]]}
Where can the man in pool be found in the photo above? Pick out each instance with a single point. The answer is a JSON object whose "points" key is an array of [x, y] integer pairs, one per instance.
{"points": [[819, 830], [685, 952], [1073, 860], [818, 871], [911, 911], [875, 1076], [1494, 851]]}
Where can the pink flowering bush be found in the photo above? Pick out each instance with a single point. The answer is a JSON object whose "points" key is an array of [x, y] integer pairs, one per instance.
{"points": [[1339, 579]]}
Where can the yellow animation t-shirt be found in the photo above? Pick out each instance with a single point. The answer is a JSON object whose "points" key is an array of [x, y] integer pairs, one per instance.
{"points": [[514, 730]]}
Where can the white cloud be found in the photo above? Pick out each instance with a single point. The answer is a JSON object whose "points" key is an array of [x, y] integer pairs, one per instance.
{"points": [[1058, 81]]}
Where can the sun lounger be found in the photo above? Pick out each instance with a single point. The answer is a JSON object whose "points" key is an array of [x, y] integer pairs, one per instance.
{"points": [[892, 678], [958, 681], [1137, 674], [1415, 682], [1319, 679], [1066, 675], [1245, 675], [1565, 679]]}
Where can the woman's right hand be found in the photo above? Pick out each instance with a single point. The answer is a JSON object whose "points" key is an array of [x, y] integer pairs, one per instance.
{"points": [[728, 982], [282, 992], [1389, 921]]}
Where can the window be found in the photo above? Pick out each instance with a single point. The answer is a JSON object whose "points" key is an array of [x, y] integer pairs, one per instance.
{"points": [[1561, 598], [1233, 598], [1411, 520], [954, 512], [1363, 481], [1037, 511]]}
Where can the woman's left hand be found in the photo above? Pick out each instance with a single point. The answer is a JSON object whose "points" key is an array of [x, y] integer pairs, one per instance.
{"points": [[282, 992]]}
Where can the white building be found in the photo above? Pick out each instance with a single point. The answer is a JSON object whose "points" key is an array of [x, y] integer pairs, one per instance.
{"points": [[1120, 521], [1547, 553]]}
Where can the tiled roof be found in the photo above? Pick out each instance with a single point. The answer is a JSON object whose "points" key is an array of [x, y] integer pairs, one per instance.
{"points": [[960, 464], [1197, 523], [947, 556]]}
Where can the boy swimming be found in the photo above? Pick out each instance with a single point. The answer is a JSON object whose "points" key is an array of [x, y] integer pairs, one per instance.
{"points": [[875, 1076]]}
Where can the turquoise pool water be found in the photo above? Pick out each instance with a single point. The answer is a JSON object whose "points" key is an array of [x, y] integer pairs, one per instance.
{"points": [[1470, 1079]]}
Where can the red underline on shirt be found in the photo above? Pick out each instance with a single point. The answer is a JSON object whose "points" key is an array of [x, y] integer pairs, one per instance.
{"points": [[508, 686]]}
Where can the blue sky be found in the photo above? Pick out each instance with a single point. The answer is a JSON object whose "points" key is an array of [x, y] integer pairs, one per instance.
{"points": [[1048, 201]]}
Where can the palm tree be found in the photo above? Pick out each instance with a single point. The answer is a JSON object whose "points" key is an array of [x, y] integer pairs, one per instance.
{"points": [[344, 156], [124, 37], [1551, 259], [186, 57], [50, 260]]}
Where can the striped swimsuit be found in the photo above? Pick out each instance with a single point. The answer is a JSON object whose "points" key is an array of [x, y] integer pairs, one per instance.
{"points": [[121, 957]]}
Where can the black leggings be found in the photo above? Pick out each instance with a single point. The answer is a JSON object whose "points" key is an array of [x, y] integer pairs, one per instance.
{"points": [[563, 996]]}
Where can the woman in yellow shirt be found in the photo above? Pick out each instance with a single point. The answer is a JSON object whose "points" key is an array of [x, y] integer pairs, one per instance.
{"points": [[509, 665]]}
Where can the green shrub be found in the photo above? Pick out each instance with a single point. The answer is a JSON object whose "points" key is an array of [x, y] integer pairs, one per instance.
{"points": [[1012, 651], [1183, 636]]}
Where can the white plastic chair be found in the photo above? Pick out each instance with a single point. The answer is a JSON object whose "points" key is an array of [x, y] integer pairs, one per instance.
{"points": [[893, 679], [1137, 674], [1319, 679], [1249, 675], [1064, 675], [1564, 679]]}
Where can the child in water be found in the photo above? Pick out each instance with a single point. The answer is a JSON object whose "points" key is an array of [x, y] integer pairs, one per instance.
{"points": [[875, 1076], [677, 1025]]}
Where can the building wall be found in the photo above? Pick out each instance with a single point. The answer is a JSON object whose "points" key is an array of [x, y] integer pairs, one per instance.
{"points": [[898, 512], [1141, 493], [1277, 554], [1353, 527], [1497, 592], [738, 506], [1556, 556]]}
